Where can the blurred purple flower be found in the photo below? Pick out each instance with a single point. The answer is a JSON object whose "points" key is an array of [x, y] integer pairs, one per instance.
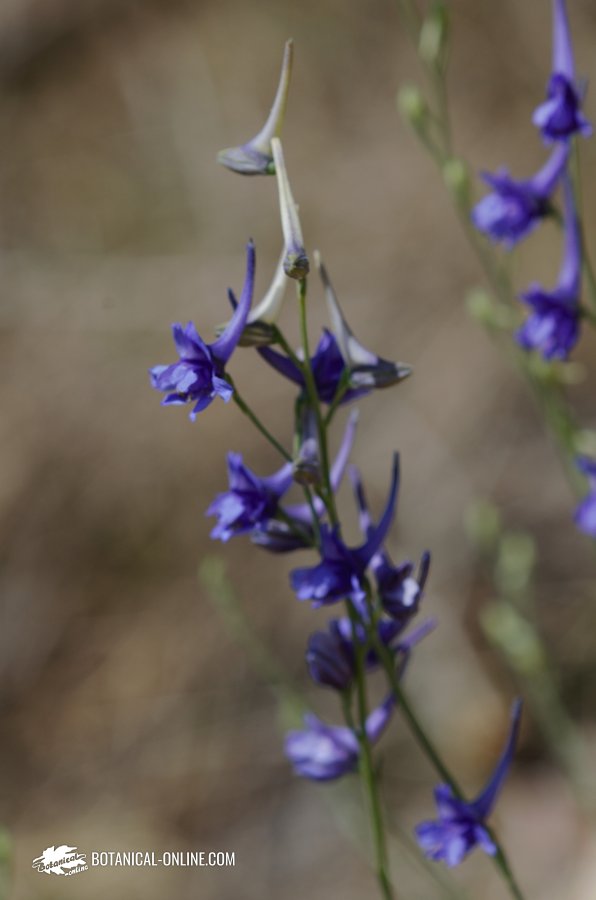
{"points": [[554, 324], [585, 514], [250, 501], [198, 376], [326, 752], [331, 656], [514, 208], [341, 570], [461, 825], [366, 369], [560, 116]]}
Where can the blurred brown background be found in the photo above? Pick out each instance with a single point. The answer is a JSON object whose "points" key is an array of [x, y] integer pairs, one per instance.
{"points": [[130, 719]]}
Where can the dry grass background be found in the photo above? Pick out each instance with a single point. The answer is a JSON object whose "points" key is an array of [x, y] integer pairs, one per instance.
{"points": [[129, 718]]}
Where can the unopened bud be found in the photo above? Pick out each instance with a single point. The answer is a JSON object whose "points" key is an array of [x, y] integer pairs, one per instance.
{"points": [[433, 36], [457, 181], [486, 311], [412, 107]]}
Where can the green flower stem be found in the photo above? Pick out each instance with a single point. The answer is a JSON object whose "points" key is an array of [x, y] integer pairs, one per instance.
{"points": [[366, 765], [342, 387], [313, 396], [250, 414], [588, 269], [434, 757], [367, 770]]}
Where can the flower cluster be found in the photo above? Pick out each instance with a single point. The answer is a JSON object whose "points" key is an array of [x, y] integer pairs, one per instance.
{"points": [[374, 599], [514, 208]]}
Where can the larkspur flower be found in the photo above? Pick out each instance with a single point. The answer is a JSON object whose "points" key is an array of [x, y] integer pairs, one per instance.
{"points": [[331, 656], [255, 157], [250, 500], [366, 369], [560, 116], [461, 825], [260, 327], [326, 752], [328, 368], [515, 207], [199, 375], [295, 262], [585, 514], [295, 531], [554, 324], [398, 590], [340, 573]]}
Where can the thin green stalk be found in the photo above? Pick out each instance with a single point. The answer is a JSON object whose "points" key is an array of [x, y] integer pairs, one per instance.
{"points": [[250, 414], [313, 396], [367, 766], [577, 190], [366, 762], [434, 757]]}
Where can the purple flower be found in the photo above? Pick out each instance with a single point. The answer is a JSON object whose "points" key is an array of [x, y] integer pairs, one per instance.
{"points": [[560, 116], [585, 514], [331, 656], [514, 208], [366, 369], [327, 365], [461, 825], [295, 531], [398, 590], [255, 157], [326, 752], [250, 501], [198, 376], [554, 323], [341, 571]]}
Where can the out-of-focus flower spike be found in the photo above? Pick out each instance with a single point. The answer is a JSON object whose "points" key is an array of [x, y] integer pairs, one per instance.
{"points": [[255, 157], [585, 513], [560, 116], [571, 268], [295, 263], [553, 327], [562, 47], [515, 207], [366, 368]]}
